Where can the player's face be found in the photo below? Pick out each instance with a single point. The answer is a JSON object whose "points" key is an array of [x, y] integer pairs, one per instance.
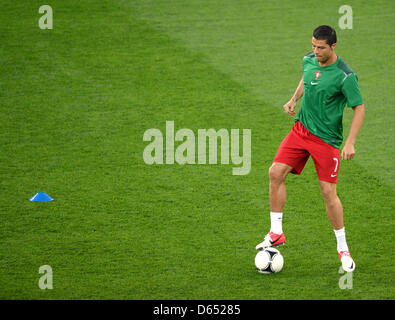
{"points": [[322, 51]]}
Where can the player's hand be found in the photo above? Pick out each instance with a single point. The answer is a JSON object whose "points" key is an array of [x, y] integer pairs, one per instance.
{"points": [[289, 107], [348, 151]]}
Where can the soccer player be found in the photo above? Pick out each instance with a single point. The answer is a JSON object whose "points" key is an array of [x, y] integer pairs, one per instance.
{"points": [[328, 84]]}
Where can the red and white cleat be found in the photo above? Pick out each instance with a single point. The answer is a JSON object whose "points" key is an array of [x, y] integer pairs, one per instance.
{"points": [[271, 240], [348, 263]]}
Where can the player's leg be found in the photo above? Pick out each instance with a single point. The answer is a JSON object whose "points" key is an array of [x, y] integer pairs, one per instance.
{"points": [[277, 190], [326, 160], [334, 208], [290, 157], [334, 211], [277, 196]]}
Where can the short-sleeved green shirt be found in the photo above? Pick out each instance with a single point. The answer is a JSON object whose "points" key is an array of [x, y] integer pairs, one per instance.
{"points": [[327, 90]]}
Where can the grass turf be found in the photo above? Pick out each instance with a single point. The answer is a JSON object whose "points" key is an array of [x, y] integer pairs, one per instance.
{"points": [[76, 101]]}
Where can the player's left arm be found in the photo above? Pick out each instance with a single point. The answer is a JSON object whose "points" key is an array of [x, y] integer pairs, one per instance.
{"points": [[348, 151]]}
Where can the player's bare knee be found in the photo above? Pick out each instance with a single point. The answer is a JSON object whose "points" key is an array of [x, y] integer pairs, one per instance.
{"points": [[329, 194], [277, 173]]}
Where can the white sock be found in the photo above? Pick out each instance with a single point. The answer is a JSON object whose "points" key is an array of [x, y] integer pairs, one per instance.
{"points": [[276, 219], [341, 240]]}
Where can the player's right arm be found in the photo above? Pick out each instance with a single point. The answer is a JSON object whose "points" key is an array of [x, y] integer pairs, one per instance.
{"points": [[289, 107]]}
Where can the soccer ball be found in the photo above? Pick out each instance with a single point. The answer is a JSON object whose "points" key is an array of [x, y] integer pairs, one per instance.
{"points": [[269, 260]]}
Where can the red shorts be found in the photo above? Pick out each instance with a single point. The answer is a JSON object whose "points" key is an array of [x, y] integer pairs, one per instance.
{"points": [[299, 144]]}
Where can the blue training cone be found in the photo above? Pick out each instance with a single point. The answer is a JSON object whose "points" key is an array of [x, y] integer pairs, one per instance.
{"points": [[41, 197]]}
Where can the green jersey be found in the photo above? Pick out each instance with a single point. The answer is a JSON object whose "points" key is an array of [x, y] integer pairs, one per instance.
{"points": [[327, 90]]}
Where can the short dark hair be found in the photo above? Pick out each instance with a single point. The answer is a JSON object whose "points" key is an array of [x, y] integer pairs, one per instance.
{"points": [[325, 33]]}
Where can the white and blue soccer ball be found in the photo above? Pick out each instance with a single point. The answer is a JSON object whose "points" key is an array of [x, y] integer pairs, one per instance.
{"points": [[269, 260]]}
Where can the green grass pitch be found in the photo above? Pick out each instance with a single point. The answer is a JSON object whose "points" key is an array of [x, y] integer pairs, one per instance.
{"points": [[76, 100]]}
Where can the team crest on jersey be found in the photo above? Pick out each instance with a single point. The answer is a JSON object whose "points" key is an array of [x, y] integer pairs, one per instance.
{"points": [[317, 75]]}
